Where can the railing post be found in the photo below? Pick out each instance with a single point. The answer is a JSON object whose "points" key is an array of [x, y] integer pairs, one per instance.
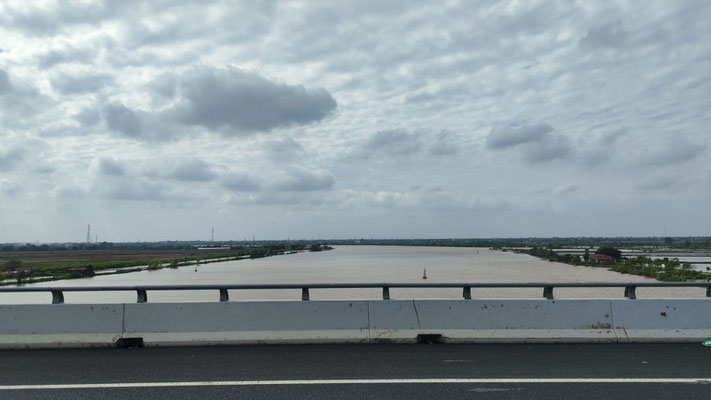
{"points": [[708, 291], [467, 293], [630, 292], [386, 293], [548, 292], [57, 297], [142, 296], [305, 294], [224, 296]]}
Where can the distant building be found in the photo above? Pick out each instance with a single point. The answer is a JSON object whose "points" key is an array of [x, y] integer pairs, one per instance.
{"points": [[601, 259]]}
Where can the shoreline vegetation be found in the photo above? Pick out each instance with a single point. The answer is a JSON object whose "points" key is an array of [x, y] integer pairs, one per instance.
{"points": [[662, 269], [655, 257], [33, 264], [638, 260]]}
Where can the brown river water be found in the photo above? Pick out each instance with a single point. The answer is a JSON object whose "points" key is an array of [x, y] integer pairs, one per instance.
{"points": [[358, 264]]}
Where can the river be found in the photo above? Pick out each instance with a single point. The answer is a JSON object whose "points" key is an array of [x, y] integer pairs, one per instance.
{"points": [[360, 264]]}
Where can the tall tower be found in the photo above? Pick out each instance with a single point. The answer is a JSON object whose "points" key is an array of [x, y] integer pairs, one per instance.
{"points": [[212, 235], [88, 234]]}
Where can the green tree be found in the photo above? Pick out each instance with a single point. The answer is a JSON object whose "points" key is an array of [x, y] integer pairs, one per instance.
{"points": [[610, 251], [12, 265], [154, 264], [21, 275], [586, 256]]}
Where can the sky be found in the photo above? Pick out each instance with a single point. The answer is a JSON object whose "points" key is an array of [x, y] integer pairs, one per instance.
{"points": [[367, 119]]}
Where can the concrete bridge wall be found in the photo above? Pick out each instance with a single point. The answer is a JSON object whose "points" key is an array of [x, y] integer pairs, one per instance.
{"points": [[372, 321]]}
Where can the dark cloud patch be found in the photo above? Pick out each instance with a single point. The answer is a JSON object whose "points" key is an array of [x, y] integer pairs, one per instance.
{"points": [[43, 169], [675, 152], [658, 183], [285, 150], [599, 150], [393, 142], [9, 188], [5, 86], [41, 20], [164, 85], [69, 55], [11, 158], [186, 169], [550, 148], [614, 136], [444, 145], [239, 182], [123, 120], [241, 102], [111, 167], [421, 97], [88, 117], [80, 84], [537, 142], [566, 189], [18, 100], [191, 170], [302, 179], [132, 190], [502, 137], [606, 36]]}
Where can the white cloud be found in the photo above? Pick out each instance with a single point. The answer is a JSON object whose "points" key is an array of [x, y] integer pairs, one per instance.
{"points": [[537, 142], [376, 115], [9, 188], [502, 137], [298, 178], [239, 102], [392, 143]]}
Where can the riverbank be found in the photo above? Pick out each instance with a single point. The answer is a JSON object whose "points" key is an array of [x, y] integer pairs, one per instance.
{"points": [[361, 264], [662, 269], [43, 266]]}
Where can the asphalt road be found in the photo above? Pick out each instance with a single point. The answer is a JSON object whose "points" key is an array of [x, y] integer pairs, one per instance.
{"points": [[562, 371]]}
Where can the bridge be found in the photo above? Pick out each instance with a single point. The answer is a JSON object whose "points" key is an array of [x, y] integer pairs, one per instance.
{"points": [[523, 348]]}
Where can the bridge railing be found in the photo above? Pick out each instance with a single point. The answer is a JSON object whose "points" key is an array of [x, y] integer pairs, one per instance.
{"points": [[142, 291]]}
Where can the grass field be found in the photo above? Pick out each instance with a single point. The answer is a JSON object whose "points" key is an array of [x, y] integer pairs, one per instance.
{"points": [[76, 258], [35, 266]]}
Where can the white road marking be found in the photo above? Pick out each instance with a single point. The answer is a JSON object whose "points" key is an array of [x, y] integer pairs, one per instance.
{"points": [[351, 382]]}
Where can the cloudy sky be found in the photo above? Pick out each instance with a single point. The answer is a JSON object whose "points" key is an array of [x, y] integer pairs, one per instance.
{"points": [[159, 120]]}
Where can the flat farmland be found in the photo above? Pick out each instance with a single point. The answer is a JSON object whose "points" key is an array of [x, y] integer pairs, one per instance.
{"points": [[69, 258]]}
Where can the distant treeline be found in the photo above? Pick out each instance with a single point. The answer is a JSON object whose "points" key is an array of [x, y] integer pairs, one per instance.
{"points": [[696, 242], [187, 246], [20, 266], [688, 242], [665, 269]]}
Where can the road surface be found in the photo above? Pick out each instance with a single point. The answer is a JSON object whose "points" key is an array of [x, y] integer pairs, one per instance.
{"points": [[495, 371]]}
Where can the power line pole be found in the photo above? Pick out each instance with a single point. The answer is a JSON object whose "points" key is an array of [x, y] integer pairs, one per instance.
{"points": [[88, 234]]}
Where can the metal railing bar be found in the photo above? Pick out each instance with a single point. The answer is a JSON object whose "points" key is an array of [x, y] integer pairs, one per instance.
{"points": [[142, 291], [357, 285]]}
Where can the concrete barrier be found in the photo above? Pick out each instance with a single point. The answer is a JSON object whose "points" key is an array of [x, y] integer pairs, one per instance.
{"points": [[60, 325], [162, 324], [492, 320], [247, 322], [662, 320]]}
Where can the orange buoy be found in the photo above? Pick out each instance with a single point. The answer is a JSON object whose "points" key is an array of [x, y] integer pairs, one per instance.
{"points": [[424, 274]]}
